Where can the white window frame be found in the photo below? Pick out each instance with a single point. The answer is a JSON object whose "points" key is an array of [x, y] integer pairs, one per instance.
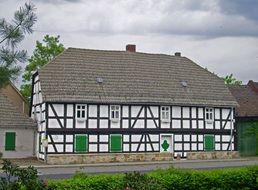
{"points": [[115, 113], [81, 109], [165, 114], [209, 114]]}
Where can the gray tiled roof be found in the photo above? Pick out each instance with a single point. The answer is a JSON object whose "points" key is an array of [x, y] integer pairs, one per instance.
{"points": [[130, 77], [11, 116]]}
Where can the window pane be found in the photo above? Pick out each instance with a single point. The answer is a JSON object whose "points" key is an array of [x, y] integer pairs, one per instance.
{"points": [[78, 114], [83, 113], [112, 114], [83, 107], [78, 107]]}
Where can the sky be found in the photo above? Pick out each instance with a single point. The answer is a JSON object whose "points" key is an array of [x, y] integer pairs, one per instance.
{"points": [[220, 35]]}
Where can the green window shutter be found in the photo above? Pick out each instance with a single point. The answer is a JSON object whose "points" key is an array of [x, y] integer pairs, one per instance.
{"points": [[81, 143], [115, 143], [209, 142], [10, 140]]}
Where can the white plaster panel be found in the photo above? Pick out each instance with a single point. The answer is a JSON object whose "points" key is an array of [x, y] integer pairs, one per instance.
{"points": [[103, 138], [193, 112], [115, 125], [217, 125], [59, 108], [149, 148], [178, 146], [155, 146], [135, 110], [70, 110], [69, 138], [225, 138], [200, 138], [155, 110], [224, 146], [176, 124], [139, 124], [165, 125], [228, 125], [186, 112], [194, 137], [103, 111], [53, 123], [178, 154], [225, 113], [209, 125], [50, 112], [126, 138], [69, 123], [184, 154], [92, 124], [93, 148], [176, 111], [194, 125], [93, 138], [187, 138], [154, 137], [68, 148], [151, 124], [103, 147], [60, 147], [217, 146], [194, 146], [125, 147], [58, 138], [178, 137], [103, 123], [200, 112], [186, 124], [200, 146], [80, 124], [50, 148], [125, 124], [142, 147], [125, 111], [186, 146], [92, 111], [217, 113], [134, 147], [201, 124], [136, 138]]}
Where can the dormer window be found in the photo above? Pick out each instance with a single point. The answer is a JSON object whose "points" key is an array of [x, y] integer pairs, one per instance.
{"points": [[209, 115], [115, 113], [165, 114], [81, 111]]}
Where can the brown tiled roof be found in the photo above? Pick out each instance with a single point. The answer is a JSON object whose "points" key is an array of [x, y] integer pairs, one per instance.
{"points": [[247, 98], [11, 116], [130, 77]]}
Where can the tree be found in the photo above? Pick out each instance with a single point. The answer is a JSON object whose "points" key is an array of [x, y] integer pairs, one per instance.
{"points": [[43, 53], [11, 34], [229, 79]]}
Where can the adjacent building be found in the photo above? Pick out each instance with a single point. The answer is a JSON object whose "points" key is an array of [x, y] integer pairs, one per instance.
{"points": [[126, 103]]}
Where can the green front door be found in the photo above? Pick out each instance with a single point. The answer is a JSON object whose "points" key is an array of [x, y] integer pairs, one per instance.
{"points": [[115, 143], [10, 141], [209, 144], [81, 143]]}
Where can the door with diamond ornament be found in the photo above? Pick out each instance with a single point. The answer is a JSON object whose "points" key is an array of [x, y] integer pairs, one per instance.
{"points": [[166, 143]]}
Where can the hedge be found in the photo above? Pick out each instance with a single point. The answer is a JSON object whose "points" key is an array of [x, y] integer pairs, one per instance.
{"points": [[169, 179]]}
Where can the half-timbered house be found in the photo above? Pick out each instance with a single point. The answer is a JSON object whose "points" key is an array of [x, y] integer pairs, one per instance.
{"points": [[89, 102]]}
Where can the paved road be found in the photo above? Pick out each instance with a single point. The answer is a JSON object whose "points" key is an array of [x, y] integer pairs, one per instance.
{"points": [[67, 171]]}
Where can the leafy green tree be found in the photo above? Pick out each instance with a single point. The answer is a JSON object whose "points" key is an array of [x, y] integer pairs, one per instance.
{"points": [[229, 79], [11, 34], [43, 53]]}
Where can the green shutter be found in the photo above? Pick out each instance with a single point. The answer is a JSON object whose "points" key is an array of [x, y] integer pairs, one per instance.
{"points": [[81, 143], [10, 140], [209, 142], [116, 143]]}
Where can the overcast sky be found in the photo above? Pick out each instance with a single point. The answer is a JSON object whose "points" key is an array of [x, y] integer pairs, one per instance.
{"points": [[221, 35]]}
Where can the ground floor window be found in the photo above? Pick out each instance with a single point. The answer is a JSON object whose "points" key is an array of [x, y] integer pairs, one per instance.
{"points": [[115, 143], [10, 140], [209, 144], [81, 143]]}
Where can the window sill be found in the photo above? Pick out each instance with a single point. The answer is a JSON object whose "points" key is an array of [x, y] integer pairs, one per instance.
{"points": [[115, 120], [209, 122], [80, 119], [165, 121]]}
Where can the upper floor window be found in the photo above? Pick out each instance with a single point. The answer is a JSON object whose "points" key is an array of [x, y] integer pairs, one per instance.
{"points": [[165, 113], [209, 116], [81, 111], [115, 113]]}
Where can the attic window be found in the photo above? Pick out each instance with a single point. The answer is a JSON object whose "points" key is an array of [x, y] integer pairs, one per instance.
{"points": [[115, 113], [209, 115], [81, 111], [184, 83]]}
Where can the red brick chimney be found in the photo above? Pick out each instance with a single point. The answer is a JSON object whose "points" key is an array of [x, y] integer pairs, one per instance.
{"points": [[131, 47], [253, 86]]}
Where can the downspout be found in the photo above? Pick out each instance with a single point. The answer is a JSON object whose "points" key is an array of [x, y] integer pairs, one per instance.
{"points": [[231, 128]]}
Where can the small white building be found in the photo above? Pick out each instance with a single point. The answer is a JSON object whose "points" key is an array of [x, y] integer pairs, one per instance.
{"points": [[122, 103]]}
